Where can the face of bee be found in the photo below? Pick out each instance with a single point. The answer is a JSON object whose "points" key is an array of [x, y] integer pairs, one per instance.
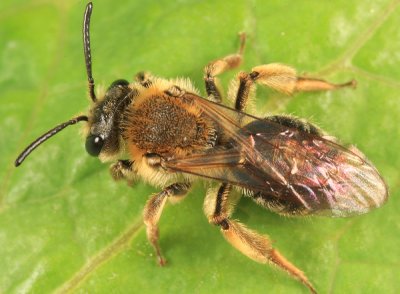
{"points": [[104, 118]]}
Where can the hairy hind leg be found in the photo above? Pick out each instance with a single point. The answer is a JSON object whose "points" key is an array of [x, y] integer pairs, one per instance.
{"points": [[281, 78], [219, 209], [219, 66]]}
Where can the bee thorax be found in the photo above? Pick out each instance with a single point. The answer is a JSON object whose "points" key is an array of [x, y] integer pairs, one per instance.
{"points": [[163, 124]]}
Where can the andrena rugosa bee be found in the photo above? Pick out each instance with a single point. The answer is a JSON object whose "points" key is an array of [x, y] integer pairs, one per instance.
{"points": [[164, 132]]}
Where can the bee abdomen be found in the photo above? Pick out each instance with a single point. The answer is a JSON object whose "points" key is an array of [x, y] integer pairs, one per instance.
{"points": [[296, 123]]}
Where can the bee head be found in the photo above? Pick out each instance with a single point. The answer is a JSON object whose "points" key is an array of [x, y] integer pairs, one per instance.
{"points": [[103, 135]]}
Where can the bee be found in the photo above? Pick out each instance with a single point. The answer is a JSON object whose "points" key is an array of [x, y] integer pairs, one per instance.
{"points": [[164, 132]]}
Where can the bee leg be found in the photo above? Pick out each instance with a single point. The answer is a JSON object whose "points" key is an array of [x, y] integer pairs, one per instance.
{"points": [[144, 78], [153, 209], [123, 170], [284, 79], [305, 84], [219, 66], [244, 90], [218, 208]]}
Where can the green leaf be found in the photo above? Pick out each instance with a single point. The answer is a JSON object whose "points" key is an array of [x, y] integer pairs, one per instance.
{"points": [[65, 225]]}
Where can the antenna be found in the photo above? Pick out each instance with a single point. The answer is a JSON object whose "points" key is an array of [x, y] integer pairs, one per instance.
{"points": [[88, 61], [86, 49], [28, 150]]}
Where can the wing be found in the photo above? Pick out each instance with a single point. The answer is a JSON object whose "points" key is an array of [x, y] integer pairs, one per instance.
{"points": [[286, 169]]}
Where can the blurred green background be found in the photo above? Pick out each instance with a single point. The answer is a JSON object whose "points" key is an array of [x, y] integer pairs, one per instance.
{"points": [[65, 225]]}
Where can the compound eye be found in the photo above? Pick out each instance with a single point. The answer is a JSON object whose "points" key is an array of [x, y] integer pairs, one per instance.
{"points": [[117, 83], [94, 144]]}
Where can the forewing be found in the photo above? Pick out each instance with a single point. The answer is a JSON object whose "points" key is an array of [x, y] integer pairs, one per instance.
{"points": [[286, 165]]}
